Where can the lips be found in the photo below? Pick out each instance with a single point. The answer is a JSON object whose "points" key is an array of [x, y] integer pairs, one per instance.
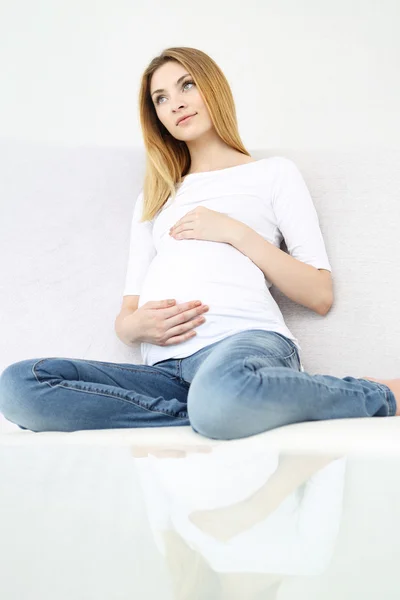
{"points": [[184, 118]]}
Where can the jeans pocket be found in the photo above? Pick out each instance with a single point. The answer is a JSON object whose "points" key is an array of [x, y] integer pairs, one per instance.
{"points": [[294, 357]]}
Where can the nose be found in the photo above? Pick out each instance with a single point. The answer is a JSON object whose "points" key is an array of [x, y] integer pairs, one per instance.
{"points": [[180, 105]]}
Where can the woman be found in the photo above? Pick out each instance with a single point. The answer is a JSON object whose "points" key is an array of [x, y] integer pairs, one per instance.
{"points": [[199, 232]]}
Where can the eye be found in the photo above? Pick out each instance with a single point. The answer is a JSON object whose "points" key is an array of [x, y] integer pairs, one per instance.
{"points": [[183, 85]]}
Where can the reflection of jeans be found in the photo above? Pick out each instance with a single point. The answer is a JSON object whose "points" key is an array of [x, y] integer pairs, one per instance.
{"points": [[245, 384]]}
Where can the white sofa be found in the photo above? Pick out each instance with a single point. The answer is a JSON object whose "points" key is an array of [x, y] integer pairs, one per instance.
{"points": [[82, 514]]}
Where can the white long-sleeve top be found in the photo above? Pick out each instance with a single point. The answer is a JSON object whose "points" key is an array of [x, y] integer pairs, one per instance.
{"points": [[270, 196]]}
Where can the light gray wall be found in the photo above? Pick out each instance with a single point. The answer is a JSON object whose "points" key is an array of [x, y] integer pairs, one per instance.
{"points": [[304, 75]]}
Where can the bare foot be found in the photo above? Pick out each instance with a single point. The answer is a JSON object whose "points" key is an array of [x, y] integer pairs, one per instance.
{"points": [[393, 385]]}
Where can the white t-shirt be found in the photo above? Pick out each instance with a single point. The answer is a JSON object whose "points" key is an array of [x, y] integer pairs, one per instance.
{"points": [[270, 196]]}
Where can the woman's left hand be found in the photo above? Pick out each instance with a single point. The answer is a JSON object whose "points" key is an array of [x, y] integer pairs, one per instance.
{"points": [[203, 223]]}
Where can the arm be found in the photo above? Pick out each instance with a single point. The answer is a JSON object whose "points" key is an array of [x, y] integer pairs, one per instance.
{"points": [[141, 254], [302, 274], [293, 470], [123, 323], [300, 282]]}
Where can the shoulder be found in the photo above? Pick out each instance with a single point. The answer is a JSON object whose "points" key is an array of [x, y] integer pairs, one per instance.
{"points": [[282, 163], [285, 172], [280, 169]]}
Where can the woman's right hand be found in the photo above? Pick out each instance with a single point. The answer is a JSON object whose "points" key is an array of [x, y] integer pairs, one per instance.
{"points": [[165, 325]]}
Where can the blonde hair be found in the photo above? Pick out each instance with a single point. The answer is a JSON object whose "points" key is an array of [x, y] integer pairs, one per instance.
{"points": [[168, 159]]}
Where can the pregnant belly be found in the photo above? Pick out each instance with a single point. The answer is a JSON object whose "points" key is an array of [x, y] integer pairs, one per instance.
{"points": [[225, 280]]}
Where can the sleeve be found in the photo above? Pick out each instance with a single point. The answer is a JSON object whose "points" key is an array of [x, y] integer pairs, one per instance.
{"points": [[297, 217], [141, 250]]}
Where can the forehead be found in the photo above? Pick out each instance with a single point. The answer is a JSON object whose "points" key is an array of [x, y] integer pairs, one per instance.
{"points": [[167, 75]]}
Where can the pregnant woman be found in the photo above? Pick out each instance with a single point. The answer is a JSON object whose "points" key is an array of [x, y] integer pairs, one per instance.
{"points": [[204, 251]]}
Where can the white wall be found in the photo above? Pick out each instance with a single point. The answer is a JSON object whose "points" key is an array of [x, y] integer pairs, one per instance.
{"points": [[311, 74]]}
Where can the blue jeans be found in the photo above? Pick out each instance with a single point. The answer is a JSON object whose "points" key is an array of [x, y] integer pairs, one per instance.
{"points": [[245, 384]]}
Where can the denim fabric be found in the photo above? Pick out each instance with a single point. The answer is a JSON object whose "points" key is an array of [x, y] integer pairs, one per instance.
{"points": [[245, 384]]}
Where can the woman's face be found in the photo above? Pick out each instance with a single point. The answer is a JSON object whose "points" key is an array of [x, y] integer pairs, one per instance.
{"points": [[179, 97]]}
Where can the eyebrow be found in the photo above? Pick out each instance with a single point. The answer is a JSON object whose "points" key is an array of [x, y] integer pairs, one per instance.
{"points": [[177, 83]]}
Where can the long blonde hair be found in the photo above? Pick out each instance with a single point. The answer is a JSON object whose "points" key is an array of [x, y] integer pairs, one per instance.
{"points": [[168, 159]]}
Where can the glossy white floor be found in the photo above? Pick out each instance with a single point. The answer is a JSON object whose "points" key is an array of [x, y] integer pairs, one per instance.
{"points": [[92, 515]]}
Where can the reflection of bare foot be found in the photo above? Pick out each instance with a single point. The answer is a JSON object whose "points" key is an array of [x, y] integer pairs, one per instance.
{"points": [[393, 385]]}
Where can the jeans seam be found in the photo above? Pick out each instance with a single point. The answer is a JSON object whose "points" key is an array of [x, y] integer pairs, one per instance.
{"points": [[179, 370], [275, 356], [107, 394], [290, 342], [107, 364], [291, 355], [392, 404], [133, 368]]}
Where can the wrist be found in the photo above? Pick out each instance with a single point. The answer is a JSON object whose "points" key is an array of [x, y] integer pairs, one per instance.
{"points": [[134, 328], [127, 327], [237, 232]]}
